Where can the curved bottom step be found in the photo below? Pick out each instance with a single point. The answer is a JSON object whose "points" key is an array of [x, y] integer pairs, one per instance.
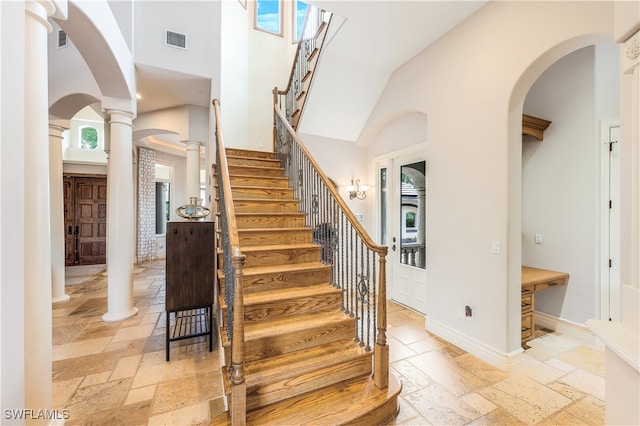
{"points": [[353, 402]]}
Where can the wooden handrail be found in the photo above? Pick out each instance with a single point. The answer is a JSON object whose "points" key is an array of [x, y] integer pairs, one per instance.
{"points": [[238, 393], [381, 349], [293, 66]]}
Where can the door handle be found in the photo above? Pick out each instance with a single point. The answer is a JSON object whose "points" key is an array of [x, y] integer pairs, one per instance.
{"points": [[70, 230]]}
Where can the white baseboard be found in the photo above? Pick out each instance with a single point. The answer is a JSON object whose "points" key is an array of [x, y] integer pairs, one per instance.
{"points": [[566, 327], [502, 360]]}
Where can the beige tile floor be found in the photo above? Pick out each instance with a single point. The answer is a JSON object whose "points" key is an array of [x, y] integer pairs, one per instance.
{"points": [[116, 373]]}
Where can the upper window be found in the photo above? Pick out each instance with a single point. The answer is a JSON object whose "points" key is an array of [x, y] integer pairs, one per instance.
{"points": [[88, 138], [299, 16], [269, 16]]}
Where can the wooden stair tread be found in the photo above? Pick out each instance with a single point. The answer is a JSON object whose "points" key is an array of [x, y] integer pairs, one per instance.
{"points": [[249, 249], [353, 402], [251, 176], [250, 153], [244, 157], [297, 363], [268, 296], [254, 187], [290, 229], [343, 403], [269, 269], [277, 214], [258, 330]]}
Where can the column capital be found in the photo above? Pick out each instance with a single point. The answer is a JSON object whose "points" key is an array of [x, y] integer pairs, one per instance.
{"points": [[121, 117], [192, 144], [55, 131], [40, 10]]}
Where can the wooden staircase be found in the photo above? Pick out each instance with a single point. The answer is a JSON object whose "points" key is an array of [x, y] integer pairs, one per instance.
{"points": [[302, 365]]}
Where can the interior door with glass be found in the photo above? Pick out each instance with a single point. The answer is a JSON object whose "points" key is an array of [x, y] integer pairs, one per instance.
{"points": [[403, 228]]}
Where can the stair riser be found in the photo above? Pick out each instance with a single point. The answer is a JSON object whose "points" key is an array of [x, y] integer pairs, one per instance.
{"points": [[258, 181], [250, 154], [276, 345], [259, 396], [268, 237], [289, 308], [256, 171], [250, 161], [262, 193], [266, 221], [256, 283], [265, 206], [278, 257]]}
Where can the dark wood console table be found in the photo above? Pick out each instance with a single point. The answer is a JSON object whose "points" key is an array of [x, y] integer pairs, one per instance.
{"points": [[190, 273]]}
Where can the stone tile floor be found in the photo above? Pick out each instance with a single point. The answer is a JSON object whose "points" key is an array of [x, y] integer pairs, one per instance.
{"points": [[116, 373]]}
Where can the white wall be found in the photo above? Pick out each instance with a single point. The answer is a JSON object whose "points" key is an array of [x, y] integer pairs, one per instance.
{"points": [[270, 62], [471, 85], [65, 63], [351, 163], [234, 90], [199, 20], [561, 179]]}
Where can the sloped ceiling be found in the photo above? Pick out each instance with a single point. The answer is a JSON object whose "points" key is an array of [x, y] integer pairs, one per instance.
{"points": [[370, 40]]}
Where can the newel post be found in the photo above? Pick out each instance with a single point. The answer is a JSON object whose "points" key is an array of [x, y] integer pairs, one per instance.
{"points": [[238, 384], [381, 350]]}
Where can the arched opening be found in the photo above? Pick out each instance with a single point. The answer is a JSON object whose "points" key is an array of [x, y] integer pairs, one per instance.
{"points": [[555, 184]]}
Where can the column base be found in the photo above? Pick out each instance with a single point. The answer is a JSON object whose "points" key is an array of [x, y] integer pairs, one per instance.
{"points": [[119, 316], [63, 298]]}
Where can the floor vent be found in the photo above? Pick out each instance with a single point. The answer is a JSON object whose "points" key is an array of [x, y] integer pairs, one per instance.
{"points": [[62, 39], [172, 38]]}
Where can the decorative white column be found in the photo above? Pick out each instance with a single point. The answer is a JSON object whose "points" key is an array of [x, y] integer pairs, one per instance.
{"points": [[37, 233], [193, 169], [120, 226], [57, 215]]}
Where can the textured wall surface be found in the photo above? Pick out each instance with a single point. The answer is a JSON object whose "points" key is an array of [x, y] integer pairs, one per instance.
{"points": [[146, 246]]}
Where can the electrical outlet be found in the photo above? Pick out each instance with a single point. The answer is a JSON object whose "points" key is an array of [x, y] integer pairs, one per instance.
{"points": [[468, 313], [495, 247], [538, 239]]}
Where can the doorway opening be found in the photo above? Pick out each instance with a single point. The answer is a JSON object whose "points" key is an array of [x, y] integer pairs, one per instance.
{"points": [[403, 224]]}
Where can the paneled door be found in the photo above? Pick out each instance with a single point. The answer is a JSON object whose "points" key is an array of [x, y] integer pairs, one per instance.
{"points": [[86, 230]]}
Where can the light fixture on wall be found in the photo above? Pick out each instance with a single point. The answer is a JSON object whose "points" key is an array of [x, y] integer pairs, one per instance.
{"points": [[356, 190]]}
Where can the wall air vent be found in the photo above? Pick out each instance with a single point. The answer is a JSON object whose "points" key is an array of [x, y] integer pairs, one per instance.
{"points": [[174, 39], [62, 39]]}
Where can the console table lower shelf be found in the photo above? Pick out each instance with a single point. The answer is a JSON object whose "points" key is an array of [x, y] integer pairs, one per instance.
{"points": [[189, 323]]}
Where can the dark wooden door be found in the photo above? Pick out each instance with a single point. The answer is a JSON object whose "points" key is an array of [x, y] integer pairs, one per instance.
{"points": [[86, 220]]}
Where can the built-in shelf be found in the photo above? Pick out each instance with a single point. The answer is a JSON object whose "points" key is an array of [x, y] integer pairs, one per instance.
{"points": [[534, 126]]}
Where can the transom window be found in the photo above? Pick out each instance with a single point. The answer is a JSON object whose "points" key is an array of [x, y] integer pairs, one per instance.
{"points": [[269, 16]]}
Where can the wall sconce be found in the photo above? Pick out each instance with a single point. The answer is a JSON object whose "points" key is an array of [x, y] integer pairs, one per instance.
{"points": [[356, 190]]}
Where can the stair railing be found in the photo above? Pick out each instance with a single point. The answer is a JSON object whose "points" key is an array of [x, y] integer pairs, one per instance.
{"points": [[233, 263], [358, 263], [294, 96]]}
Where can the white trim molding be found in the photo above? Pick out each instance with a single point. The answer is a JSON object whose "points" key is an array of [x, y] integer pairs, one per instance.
{"points": [[566, 327], [505, 361]]}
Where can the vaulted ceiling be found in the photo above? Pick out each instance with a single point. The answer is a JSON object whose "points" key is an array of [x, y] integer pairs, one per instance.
{"points": [[370, 40]]}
